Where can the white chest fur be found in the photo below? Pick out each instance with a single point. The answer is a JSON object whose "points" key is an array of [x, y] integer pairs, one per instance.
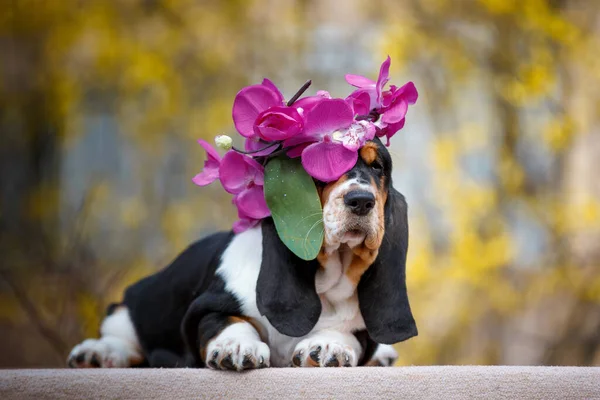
{"points": [[240, 266]]}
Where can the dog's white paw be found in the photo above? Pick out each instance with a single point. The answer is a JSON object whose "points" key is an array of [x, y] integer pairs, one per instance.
{"points": [[385, 356], [98, 353], [237, 354], [238, 347], [319, 352]]}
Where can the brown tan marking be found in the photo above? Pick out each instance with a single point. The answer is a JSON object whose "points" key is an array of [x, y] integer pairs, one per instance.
{"points": [[136, 360], [366, 253], [322, 257], [362, 259], [310, 362], [374, 241], [369, 152], [374, 363]]}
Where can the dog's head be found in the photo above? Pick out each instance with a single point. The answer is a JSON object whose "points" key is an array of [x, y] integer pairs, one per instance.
{"points": [[364, 216], [354, 205]]}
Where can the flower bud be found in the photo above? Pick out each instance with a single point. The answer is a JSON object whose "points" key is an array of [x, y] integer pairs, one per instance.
{"points": [[223, 142]]}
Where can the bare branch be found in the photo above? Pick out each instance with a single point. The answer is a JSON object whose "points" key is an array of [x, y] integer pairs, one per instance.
{"points": [[52, 337]]}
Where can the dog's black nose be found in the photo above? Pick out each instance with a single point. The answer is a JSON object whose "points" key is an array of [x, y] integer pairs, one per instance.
{"points": [[360, 202]]}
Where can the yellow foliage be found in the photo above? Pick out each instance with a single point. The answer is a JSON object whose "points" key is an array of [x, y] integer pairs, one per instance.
{"points": [[531, 60], [178, 221], [500, 6], [133, 212], [584, 215], [511, 173], [445, 154], [88, 310], [498, 80], [558, 134]]}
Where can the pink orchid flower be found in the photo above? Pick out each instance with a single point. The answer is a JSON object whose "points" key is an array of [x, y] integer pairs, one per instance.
{"points": [[307, 103], [324, 132], [389, 130], [211, 165], [361, 101], [260, 115], [330, 124], [395, 102], [395, 106], [372, 88], [243, 224], [243, 177], [250, 102], [392, 104], [278, 123]]}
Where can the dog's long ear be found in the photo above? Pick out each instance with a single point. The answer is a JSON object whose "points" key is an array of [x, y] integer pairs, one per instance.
{"points": [[382, 291], [285, 291]]}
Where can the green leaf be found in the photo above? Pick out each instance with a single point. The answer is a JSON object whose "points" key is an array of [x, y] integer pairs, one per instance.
{"points": [[295, 206]]}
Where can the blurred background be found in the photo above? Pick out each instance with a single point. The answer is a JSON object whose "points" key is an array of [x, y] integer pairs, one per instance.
{"points": [[101, 103]]}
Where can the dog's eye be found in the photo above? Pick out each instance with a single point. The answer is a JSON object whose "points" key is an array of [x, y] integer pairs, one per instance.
{"points": [[376, 166]]}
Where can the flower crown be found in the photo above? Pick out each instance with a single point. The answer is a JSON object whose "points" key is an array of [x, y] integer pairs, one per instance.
{"points": [[325, 133]]}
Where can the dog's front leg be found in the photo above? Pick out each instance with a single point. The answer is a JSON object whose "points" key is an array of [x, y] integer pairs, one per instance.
{"points": [[237, 347], [327, 348]]}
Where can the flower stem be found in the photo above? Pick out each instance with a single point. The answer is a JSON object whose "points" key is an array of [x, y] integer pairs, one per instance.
{"points": [[278, 152], [277, 143], [299, 93]]}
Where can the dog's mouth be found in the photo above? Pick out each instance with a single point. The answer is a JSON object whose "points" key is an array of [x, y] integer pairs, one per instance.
{"points": [[354, 237], [355, 233]]}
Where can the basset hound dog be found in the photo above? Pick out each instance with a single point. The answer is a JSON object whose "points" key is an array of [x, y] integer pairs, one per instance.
{"points": [[244, 301]]}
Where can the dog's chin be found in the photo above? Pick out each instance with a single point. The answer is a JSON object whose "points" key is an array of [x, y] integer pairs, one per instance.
{"points": [[353, 237]]}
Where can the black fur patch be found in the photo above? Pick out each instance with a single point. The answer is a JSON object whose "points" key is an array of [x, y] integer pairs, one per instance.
{"points": [[207, 316], [381, 167], [368, 346], [112, 307], [285, 291], [158, 303], [382, 294]]}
